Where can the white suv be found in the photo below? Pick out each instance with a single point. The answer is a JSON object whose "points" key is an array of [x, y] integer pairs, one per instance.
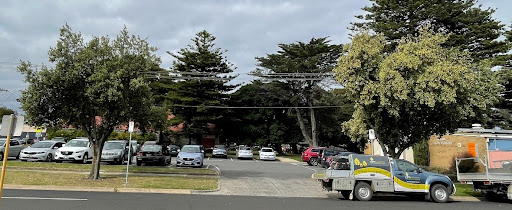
{"points": [[75, 150]]}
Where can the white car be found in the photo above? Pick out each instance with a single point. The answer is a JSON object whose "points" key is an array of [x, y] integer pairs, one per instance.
{"points": [[41, 151], [267, 153], [75, 150], [244, 152]]}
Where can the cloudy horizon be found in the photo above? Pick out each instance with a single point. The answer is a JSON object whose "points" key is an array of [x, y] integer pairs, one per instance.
{"points": [[247, 29]]}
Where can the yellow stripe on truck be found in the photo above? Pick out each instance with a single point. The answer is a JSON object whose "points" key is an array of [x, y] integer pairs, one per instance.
{"points": [[412, 186], [372, 170]]}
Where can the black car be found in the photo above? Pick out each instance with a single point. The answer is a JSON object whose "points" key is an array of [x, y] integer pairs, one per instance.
{"points": [[174, 150], [326, 153], [156, 154]]}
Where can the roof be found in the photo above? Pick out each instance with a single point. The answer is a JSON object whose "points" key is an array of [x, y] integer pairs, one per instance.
{"points": [[486, 133]]}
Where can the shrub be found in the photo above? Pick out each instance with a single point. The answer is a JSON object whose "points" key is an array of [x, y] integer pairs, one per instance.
{"points": [[465, 166]]}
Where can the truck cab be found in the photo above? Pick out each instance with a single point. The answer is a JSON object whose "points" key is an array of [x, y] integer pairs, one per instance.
{"points": [[367, 175]]}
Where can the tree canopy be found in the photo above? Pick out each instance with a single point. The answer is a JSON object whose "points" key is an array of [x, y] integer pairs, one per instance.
{"points": [[468, 26], [94, 86], [314, 57], [188, 99], [5, 111], [421, 89]]}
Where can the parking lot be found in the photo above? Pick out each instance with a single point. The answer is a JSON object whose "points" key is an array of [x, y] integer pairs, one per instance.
{"points": [[265, 178]]}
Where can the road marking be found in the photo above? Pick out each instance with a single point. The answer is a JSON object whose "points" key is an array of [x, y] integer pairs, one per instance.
{"points": [[208, 158], [297, 164], [255, 160], [218, 169], [38, 198], [207, 166], [231, 159]]}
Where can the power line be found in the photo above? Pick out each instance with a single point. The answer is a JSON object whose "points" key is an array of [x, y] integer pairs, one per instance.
{"points": [[257, 107]]}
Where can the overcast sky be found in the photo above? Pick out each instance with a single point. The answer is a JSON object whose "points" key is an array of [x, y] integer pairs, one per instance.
{"points": [[245, 28]]}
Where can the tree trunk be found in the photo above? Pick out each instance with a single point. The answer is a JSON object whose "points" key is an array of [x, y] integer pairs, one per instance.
{"points": [[314, 134], [97, 146], [303, 128]]}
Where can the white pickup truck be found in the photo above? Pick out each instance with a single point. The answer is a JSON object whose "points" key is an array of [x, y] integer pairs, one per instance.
{"points": [[494, 182], [364, 175]]}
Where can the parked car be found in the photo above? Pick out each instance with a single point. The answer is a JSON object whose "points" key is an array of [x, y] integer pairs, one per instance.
{"points": [[244, 152], [219, 151], [60, 139], [155, 154], [115, 151], [267, 153], [326, 153], [78, 150], [14, 149], [41, 151], [190, 155], [148, 143], [310, 155], [26, 141], [174, 150], [135, 147]]}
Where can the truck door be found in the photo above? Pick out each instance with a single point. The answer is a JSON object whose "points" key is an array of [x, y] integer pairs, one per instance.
{"points": [[408, 177]]}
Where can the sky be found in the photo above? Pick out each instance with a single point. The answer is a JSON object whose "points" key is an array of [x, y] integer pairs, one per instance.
{"points": [[246, 28]]}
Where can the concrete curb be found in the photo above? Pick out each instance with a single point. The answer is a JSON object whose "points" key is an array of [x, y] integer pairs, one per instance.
{"points": [[104, 189], [467, 198]]}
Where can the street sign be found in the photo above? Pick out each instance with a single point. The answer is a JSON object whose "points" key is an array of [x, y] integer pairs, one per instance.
{"points": [[371, 134], [38, 129], [130, 127], [18, 125]]}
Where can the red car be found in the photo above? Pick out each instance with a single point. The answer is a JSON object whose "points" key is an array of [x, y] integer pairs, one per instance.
{"points": [[310, 155]]}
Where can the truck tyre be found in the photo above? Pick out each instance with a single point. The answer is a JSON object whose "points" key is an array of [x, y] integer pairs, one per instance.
{"points": [[345, 194], [439, 193], [363, 191], [313, 162]]}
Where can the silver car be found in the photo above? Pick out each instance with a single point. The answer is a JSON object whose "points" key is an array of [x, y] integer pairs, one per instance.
{"points": [[41, 151], [190, 155], [219, 151], [115, 151], [14, 149]]}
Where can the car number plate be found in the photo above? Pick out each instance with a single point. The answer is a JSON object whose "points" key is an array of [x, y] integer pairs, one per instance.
{"points": [[188, 162]]}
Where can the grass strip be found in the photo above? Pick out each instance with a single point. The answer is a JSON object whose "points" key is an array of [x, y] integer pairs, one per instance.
{"points": [[79, 180], [466, 190]]}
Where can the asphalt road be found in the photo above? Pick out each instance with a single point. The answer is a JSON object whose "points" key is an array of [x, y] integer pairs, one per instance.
{"points": [[56, 200]]}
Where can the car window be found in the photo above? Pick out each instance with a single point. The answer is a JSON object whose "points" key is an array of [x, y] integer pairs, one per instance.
{"points": [[191, 149], [77, 143], [42, 144], [152, 148], [406, 166], [113, 145], [15, 143], [267, 150], [220, 147], [58, 144], [315, 150]]}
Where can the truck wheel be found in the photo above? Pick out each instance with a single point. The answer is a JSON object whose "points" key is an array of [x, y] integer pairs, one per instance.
{"points": [[313, 162], [363, 191], [439, 193], [492, 196], [345, 194]]}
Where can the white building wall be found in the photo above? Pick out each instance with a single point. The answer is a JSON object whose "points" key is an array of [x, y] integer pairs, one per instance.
{"points": [[408, 154]]}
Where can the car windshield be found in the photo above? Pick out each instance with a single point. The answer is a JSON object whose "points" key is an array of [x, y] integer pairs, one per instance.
{"points": [[76, 143], [42, 144], [113, 145], [220, 147], [245, 148], [267, 150], [2, 142], [191, 149], [152, 148]]}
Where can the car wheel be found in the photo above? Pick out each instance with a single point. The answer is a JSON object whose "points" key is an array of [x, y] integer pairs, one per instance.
{"points": [[439, 193], [58, 161], [120, 162], [23, 160], [139, 163], [1, 156], [85, 159], [313, 162], [49, 158], [363, 191], [18, 156]]}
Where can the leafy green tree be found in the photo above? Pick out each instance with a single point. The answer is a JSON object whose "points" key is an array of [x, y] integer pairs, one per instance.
{"points": [[419, 90], [469, 27], [5, 111], [94, 86], [187, 98], [316, 56]]}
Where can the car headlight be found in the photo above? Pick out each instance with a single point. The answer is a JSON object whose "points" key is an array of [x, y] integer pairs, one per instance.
{"points": [[198, 158], [41, 152], [80, 151], [178, 157]]}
